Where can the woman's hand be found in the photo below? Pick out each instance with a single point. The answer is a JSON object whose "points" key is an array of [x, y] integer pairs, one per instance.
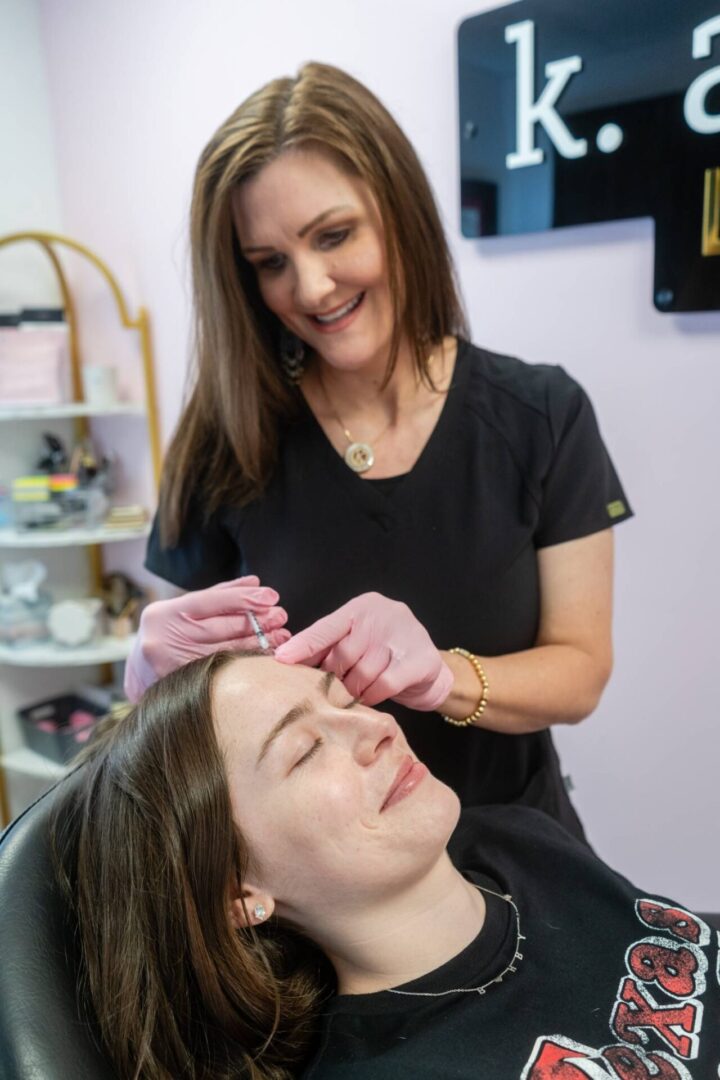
{"points": [[378, 649], [174, 632]]}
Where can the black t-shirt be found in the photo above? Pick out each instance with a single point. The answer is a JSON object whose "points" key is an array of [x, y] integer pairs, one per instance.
{"points": [[515, 463], [610, 981]]}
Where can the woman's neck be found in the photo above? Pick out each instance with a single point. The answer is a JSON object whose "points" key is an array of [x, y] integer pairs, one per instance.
{"points": [[406, 935], [360, 393]]}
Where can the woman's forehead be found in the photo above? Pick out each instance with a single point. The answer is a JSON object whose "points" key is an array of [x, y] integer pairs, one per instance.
{"points": [[299, 183], [251, 693]]}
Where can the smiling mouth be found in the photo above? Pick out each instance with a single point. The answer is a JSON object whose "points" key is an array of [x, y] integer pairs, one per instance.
{"points": [[340, 313]]}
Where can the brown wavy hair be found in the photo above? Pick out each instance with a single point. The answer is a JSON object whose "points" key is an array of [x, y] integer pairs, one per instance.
{"points": [[237, 399], [149, 856]]}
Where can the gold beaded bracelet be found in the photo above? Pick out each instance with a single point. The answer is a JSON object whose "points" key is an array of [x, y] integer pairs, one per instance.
{"points": [[480, 707]]}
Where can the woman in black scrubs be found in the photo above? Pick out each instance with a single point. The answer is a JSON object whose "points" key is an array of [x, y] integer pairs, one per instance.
{"points": [[344, 438]]}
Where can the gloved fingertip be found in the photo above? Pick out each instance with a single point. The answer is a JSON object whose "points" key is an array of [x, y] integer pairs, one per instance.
{"points": [[266, 598], [249, 580], [283, 653]]}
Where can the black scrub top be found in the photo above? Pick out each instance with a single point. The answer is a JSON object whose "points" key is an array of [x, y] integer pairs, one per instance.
{"points": [[515, 463]]}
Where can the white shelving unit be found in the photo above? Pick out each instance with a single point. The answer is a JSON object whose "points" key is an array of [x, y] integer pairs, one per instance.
{"points": [[45, 654], [28, 774], [69, 411], [43, 670], [27, 762], [48, 538]]}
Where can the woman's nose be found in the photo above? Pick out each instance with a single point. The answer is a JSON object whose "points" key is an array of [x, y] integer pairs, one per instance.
{"points": [[375, 734], [313, 285]]}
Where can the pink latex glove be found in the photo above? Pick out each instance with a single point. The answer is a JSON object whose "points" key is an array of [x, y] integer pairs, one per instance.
{"points": [[174, 632], [378, 649]]}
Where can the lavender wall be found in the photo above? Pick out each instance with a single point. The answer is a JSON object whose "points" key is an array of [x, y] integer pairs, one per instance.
{"points": [[136, 90]]}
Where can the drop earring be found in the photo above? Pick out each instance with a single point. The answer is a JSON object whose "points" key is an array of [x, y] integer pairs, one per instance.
{"points": [[292, 356]]}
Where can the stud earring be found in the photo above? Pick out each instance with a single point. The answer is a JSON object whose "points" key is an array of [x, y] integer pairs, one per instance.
{"points": [[259, 912]]}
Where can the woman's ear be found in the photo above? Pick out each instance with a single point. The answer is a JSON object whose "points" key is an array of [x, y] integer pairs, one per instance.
{"points": [[251, 906]]}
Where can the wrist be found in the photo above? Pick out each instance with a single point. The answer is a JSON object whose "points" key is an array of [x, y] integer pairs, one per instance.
{"points": [[462, 697], [139, 672], [466, 704]]}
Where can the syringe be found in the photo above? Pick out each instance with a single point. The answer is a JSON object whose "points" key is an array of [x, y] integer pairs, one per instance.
{"points": [[259, 634]]}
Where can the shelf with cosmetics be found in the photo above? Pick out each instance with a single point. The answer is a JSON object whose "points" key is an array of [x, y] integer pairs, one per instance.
{"points": [[40, 388]]}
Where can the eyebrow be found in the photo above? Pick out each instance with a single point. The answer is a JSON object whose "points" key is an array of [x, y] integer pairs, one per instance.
{"points": [[296, 713], [305, 229]]}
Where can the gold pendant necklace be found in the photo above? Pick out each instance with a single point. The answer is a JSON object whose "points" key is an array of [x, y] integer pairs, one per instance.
{"points": [[359, 456]]}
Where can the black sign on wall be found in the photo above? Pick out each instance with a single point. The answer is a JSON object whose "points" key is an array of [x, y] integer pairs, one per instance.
{"points": [[581, 111]]}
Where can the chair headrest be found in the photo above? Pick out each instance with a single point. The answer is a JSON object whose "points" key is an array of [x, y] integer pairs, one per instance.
{"points": [[43, 1035]]}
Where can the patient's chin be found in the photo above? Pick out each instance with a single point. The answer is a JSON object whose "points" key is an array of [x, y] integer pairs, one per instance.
{"points": [[441, 808]]}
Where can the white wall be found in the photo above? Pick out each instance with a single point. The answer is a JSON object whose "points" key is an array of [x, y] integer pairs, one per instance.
{"points": [[29, 192], [138, 87]]}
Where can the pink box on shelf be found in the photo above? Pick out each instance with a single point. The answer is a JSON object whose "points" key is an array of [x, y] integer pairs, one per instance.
{"points": [[34, 366]]}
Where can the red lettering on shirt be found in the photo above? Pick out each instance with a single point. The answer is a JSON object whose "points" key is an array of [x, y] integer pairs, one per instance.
{"points": [[636, 1012], [637, 1065], [676, 920], [678, 969], [556, 1058]]}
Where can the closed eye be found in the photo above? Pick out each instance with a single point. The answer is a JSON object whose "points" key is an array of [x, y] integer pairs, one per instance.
{"points": [[318, 742], [333, 239], [273, 264], [310, 753]]}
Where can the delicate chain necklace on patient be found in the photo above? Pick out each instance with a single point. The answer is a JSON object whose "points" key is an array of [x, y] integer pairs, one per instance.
{"points": [[509, 970]]}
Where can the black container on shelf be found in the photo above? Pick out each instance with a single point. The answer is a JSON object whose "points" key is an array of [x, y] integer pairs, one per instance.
{"points": [[59, 727], [42, 315]]}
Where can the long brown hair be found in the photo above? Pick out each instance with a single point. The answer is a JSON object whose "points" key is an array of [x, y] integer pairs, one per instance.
{"points": [[229, 426], [148, 854]]}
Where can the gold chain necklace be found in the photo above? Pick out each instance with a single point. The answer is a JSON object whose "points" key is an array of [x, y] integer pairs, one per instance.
{"points": [[359, 456], [509, 970]]}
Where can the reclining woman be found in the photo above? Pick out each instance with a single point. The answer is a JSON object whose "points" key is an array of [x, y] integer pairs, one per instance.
{"points": [[260, 871]]}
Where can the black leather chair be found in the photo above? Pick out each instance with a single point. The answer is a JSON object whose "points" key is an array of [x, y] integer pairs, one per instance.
{"points": [[42, 1034]]}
